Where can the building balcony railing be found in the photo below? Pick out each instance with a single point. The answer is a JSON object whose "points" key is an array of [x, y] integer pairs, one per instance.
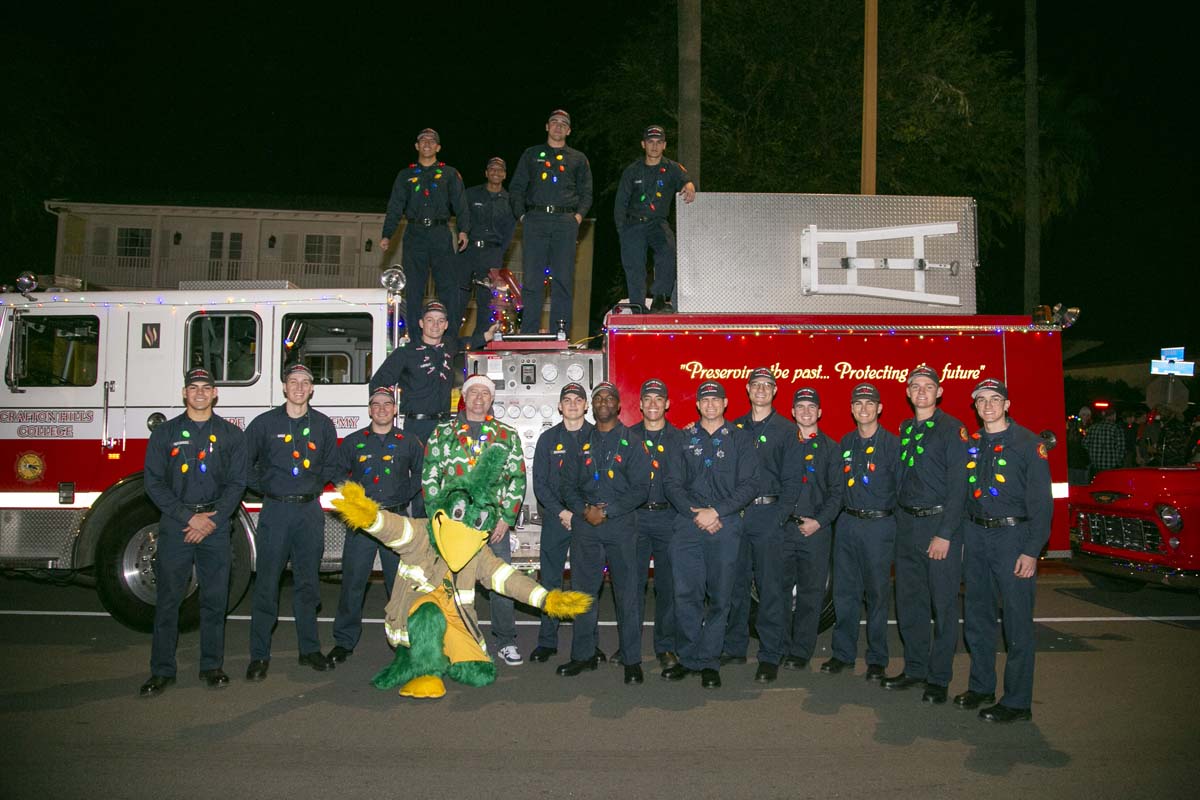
{"points": [[125, 272]]}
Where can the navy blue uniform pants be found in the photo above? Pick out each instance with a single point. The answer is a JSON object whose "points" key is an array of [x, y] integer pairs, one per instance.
{"points": [[295, 532], [358, 559], [990, 556], [703, 565], [429, 250], [547, 244], [862, 571], [655, 531], [552, 554], [504, 623], [761, 559], [613, 542], [173, 560], [473, 266], [925, 586], [636, 238], [806, 572]]}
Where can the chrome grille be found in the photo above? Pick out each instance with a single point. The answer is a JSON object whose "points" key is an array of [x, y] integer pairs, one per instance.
{"points": [[1126, 533]]}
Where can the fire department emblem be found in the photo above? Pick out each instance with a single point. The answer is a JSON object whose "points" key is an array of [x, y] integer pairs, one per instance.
{"points": [[1043, 451], [30, 467]]}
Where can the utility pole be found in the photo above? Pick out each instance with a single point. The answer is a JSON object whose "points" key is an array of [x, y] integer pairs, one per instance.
{"points": [[689, 87], [1033, 172], [870, 95]]}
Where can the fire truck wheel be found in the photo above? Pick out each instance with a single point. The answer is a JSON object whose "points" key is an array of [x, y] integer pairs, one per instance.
{"points": [[1109, 583]]}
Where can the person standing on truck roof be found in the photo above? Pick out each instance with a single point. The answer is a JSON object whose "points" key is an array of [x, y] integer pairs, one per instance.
{"points": [[812, 504], [933, 480], [453, 449], [556, 447], [492, 226], [656, 519], [1009, 504], [608, 481], [642, 212], [866, 535], [291, 455], [387, 464], [711, 478], [761, 555], [551, 193], [425, 193], [195, 473]]}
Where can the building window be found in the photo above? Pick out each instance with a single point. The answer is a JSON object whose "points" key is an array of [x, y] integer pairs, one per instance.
{"points": [[54, 351], [227, 345], [336, 347], [133, 247], [322, 254]]}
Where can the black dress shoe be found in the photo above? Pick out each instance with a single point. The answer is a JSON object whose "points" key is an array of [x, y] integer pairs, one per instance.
{"points": [[874, 672], [573, 667], [667, 659], [835, 665], [934, 694], [339, 654], [676, 673], [600, 658], [214, 678], [969, 700], [766, 672], [901, 681], [316, 660], [710, 678], [633, 673], [156, 685], [1002, 713], [257, 670], [795, 662], [542, 654], [729, 658]]}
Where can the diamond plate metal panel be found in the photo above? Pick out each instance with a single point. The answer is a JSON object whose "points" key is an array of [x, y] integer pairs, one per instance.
{"points": [[44, 535], [744, 253]]}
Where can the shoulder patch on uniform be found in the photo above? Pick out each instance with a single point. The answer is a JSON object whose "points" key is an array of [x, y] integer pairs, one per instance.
{"points": [[1043, 451], [962, 432]]}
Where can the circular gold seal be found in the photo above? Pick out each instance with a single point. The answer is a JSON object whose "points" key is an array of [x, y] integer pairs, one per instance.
{"points": [[30, 467]]}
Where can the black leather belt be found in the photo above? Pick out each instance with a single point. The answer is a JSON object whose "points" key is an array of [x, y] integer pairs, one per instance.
{"points": [[292, 498], [928, 511], [445, 415], [631, 218], [482, 244], [998, 522], [765, 500], [655, 506], [202, 508], [553, 209], [427, 223], [868, 513]]}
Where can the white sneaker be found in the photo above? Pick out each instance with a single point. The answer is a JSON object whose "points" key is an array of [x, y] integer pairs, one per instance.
{"points": [[511, 655]]}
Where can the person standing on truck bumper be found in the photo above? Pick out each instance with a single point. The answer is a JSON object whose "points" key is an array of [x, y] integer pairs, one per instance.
{"points": [[761, 556], [387, 464], [551, 193], [492, 227], [195, 473], [866, 536], [642, 213], [711, 479], [1009, 504], [812, 504], [933, 480], [290, 458]]}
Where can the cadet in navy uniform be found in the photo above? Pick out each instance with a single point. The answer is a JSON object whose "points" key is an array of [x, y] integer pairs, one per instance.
{"points": [[866, 535], [933, 479], [656, 519], [426, 193], [492, 226], [1009, 504], [608, 481], [551, 193], [761, 555], [711, 478], [290, 456], [195, 472], [812, 504], [556, 447], [642, 213], [387, 464]]}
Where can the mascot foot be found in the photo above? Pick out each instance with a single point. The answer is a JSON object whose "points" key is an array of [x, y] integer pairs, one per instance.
{"points": [[424, 686], [473, 673]]}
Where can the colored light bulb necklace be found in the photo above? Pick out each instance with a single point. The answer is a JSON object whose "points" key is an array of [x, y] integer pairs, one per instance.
{"points": [[201, 453], [301, 450], [849, 456], [810, 459], [653, 450], [998, 461], [388, 457], [910, 457], [551, 166]]}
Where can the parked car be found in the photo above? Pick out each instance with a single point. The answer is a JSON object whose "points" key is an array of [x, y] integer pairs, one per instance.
{"points": [[1131, 527]]}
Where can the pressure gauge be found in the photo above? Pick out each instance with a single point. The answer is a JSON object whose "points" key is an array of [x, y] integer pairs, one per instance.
{"points": [[549, 372], [575, 372]]}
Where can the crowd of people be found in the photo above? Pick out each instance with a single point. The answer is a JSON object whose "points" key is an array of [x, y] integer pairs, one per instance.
{"points": [[1134, 437]]}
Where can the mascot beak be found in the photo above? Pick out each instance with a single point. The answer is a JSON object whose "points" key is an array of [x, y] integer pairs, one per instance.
{"points": [[457, 542]]}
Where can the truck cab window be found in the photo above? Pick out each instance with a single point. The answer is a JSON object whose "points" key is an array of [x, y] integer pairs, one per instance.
{"points": [[336, 347], [227, 345], [54, 351]]}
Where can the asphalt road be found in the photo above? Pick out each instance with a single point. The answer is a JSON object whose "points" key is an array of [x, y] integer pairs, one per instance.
{"points": [[1115, 715]]}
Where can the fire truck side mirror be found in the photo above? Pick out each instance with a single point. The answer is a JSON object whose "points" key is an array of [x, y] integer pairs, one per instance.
{"points": [[155, 419], [1049, 438]]}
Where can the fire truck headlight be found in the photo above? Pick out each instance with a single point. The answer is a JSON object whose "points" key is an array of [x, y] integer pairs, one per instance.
{"points": [[1170, 516], [155, 419]]}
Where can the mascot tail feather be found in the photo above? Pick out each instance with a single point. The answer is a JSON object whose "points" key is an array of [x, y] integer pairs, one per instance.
{"points": [[564, 605], [473, 673], [426, 632], [356, 508]]}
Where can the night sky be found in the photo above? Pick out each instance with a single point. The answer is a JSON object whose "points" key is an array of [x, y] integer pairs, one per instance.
{"points": [[161, 102]]}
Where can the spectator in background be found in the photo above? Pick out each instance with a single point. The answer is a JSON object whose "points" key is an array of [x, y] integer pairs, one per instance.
{"points": [[1078, 464], [1129, 430], [1105, 443], [1174, 439]]}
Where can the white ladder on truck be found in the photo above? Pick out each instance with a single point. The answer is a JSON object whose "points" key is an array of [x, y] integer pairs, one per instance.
{"points": [[811, 238]]}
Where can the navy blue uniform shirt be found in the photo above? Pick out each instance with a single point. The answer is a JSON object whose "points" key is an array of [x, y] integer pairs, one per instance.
{"points": [[555, 449], [1008, 475], [431, 192], [196, 463], [772, 437], [647, 190], [286, 456], [611, 469], [658, 444], [818, 493], [424, 372], [387, 465], [492, 220], [551, 176], [933, 458], [869, 470], [717, 470]]}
